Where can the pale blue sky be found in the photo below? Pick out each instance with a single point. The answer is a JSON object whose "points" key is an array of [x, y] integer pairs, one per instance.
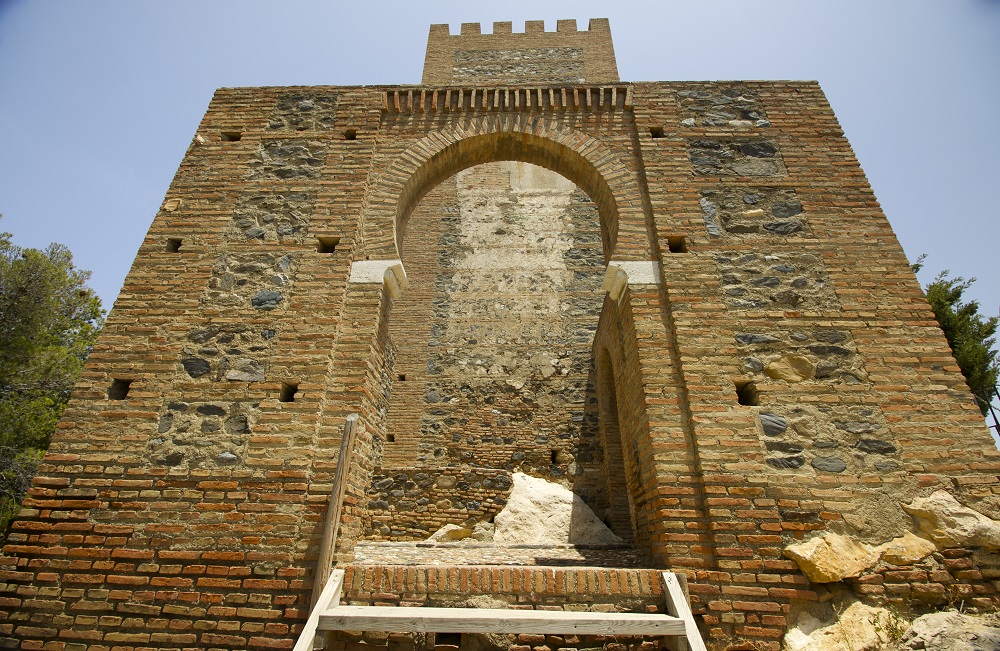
{"points": [[99, 99]]}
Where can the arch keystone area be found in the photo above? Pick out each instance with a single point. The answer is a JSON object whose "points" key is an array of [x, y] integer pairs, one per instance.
{"points": [[580, 158]]}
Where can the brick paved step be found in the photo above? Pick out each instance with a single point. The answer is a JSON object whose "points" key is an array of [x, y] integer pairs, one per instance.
{"points": [[479, 553]]}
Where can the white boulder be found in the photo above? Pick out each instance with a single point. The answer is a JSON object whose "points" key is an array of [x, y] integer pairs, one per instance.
{"points": [[449, 533], [539, 512]]}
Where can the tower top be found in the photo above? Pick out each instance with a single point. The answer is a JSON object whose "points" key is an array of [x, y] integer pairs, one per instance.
{"points": [[565, 56]]}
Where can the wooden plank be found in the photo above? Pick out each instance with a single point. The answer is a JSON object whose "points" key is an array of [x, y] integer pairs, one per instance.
{"points": [[400, 619], [677, 605], [329, 598], [329, 541]]}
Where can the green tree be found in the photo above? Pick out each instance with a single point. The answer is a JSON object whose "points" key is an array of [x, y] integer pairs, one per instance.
{"points": [[49, 320], [970, 335]]}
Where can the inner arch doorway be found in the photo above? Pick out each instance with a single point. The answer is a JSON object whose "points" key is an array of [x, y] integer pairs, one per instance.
{"points": [[493, 369]]}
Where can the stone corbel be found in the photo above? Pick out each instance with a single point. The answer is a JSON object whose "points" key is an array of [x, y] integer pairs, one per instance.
{"points": [[621, 273], [387, 272]]}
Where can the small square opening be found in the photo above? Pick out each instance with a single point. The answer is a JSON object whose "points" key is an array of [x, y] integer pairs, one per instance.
{"points": [[350, 134], [656, 132], [401, 377], [327, 244], [288, 391], [119, 389], [448, 640], [173, 244], [677, 244], [746, 393], [390, 438], [231, 136], [553, 455]]}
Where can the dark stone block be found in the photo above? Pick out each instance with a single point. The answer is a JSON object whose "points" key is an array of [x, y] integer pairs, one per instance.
{"points": [[203, 335], [779, 446], [786, 462], [758, 149], [786, 209], [876, 446], [754, 338], [783, 227], [829, 336], [829, 464], [829, 350], [766, 281], [855, 426], [196, 366], [773, 424], [211, 410], [266, 299]]}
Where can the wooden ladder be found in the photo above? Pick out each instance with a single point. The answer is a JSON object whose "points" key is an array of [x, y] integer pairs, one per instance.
{"points": [[329, 615]]}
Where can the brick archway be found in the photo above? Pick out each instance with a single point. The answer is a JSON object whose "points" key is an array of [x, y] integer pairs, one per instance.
{"points": [[575, 155]]}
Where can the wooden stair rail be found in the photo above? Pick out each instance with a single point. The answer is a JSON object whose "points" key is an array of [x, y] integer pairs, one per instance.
{"points": [[324, 564]]}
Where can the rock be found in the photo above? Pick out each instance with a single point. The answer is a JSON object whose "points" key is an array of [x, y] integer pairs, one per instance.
{"points": [[818, 349], [483, 531], [689, 122], [755, 338], [540, 512], [905, 550], [825, 368], [196, 366], [758, 149], [226, 458], [781, 446], [266, 299], [211, 410], [446, 481], [829, 464], [246, 370], [952, 631], [949, 524], [831, 557], [876, 446], [254, 233], [449, 533], [773, 424], [753, 364], [829, 336], [783, 227], [786, 209], [784, 463], [766, 281], [859, 628], [754, 167], [791, 368]]}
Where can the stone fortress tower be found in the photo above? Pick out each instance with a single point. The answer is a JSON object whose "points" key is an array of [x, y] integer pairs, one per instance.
{"points": [[681, 300]]}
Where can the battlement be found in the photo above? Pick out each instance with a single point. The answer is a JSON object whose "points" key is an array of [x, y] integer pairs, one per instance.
{"points": [[565, 26], [567, 55]]}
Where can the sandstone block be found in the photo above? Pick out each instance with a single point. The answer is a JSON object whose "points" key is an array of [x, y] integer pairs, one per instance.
{"points": [[831, 557], [950, 524]]}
